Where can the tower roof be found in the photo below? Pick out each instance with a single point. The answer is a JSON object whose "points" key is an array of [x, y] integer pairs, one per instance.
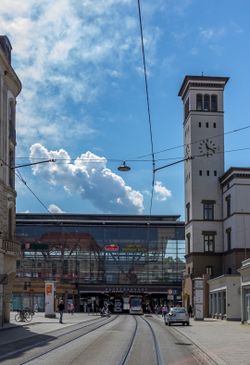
{"points": [[201, 81]]}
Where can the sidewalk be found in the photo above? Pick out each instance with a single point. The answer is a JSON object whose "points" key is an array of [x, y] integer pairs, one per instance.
{"points": [[225, 342], [42, 325]]}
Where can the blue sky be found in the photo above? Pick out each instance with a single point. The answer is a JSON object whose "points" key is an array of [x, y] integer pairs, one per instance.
{"points": [[83, 99]]}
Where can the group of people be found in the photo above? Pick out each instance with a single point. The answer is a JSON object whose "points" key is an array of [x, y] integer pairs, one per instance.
{"points": [[165, 310], [61, 308]]}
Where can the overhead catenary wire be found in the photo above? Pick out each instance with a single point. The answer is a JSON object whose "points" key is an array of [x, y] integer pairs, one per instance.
{"points": [[18, 174], [32, 192], [197, 141], [140, 158], [148, 106]]}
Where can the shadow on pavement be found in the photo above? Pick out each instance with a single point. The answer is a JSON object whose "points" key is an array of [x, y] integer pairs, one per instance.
{"points": [[16, 340]]}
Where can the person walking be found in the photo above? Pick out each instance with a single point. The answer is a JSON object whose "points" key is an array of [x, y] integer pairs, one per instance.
{"points": [[190, 310], [164, 310], [72, 308], [61, 310]]}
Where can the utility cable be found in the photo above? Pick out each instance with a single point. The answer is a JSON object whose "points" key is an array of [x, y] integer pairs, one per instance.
{"points": [[18, 174], [139, 158], [32, 192], [148, 106], [197, 141]]}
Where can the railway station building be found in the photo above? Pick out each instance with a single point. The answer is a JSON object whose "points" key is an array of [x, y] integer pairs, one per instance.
{"points": [[97, 258]]}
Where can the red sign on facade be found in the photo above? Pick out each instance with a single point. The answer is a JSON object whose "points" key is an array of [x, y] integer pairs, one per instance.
{"points": [[112, 248]]}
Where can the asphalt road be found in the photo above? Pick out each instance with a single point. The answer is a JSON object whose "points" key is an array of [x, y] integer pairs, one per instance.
{"points": [[118, 340]]}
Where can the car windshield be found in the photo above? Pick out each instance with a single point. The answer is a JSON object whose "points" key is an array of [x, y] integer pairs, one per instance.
{"points": [[178, 310]]}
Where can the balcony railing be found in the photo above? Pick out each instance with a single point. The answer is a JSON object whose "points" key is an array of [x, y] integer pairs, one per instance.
{"points": [[9, 246]]}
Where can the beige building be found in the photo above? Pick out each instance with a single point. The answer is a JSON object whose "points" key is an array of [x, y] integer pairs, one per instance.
{"points": [[10, 87], [217, 202]]}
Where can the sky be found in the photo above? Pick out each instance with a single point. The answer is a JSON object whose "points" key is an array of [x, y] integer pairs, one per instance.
{"points": [[83, 100]]}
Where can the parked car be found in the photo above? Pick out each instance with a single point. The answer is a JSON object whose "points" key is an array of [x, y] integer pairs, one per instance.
{"points": [[177, 315]]}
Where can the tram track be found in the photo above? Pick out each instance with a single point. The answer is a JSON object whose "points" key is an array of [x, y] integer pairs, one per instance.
{"points": [[156, 344], [118, 340], [95, 324], [132, 344]]}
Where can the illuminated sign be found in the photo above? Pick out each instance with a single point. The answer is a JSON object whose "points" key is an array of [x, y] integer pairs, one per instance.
{"points": [[134, 248], [112, 248]]}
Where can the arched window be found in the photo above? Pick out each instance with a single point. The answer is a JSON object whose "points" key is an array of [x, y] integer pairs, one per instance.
{"points": [[206, 103], [199, 105], [214, 103]]}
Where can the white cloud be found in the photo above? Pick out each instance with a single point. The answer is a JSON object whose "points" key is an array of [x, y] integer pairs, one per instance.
{"points": [[162, 193], [55, 209], [89, 177], [62, 59], [211, 33]]}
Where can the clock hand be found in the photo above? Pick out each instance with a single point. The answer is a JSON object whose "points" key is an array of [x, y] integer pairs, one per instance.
{"points": [[210, 148]]}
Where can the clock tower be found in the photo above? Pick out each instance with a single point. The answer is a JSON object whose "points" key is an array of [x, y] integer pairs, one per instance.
{"points": [[203, 126]]}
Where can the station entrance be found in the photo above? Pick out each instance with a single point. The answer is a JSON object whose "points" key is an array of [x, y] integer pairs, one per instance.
{"points": [[100, 258], [118, 298]]}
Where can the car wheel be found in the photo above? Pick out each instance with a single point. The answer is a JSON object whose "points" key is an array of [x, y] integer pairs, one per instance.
{"points": [[187, 323], [183, 323], [169, 323], [166, 323]]}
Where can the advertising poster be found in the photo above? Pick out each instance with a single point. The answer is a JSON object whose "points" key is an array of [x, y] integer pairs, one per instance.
{"points": [[50, 299]]}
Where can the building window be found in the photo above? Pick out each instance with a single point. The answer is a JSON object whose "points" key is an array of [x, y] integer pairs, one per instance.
{"points": [[207, 172], [228, 233], [207, 125], [206, 103], [200, 172], [208, 210], [10, 224], [214, 125], [199, 124], [11, 169], [215, 173], [214, 103], [12, 130], [199, 105], [208, 240], [188, 212], [209, 270], [186, 108], [188, 237], [228, 205]]}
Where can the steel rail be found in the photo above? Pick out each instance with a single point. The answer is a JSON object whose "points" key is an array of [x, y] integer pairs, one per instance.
{"points": [[156, 346], [99, 324], [131, 342]]}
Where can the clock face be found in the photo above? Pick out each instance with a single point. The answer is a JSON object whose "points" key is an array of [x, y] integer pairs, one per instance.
{"points": [[207, 147]]}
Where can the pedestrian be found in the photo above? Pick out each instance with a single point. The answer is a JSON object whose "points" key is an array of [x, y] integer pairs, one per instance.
{"points": [[72, 308], [190, 310], [164, 310], [61, 310]]}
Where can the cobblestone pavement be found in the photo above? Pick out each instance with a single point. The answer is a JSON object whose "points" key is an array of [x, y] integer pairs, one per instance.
{"points": [[225, 342]]}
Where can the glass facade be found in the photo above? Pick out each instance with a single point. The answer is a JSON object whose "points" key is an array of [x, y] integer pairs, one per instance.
{"points": [[96, 250]]}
